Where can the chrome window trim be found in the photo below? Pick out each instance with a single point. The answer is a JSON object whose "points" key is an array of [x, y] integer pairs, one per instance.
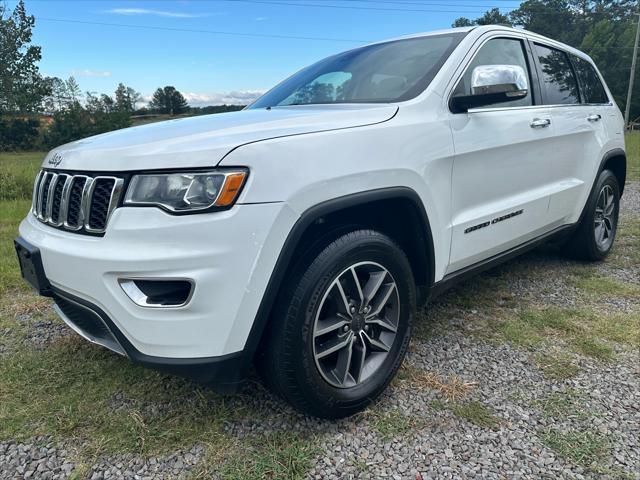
{"points": [[533, 107]]}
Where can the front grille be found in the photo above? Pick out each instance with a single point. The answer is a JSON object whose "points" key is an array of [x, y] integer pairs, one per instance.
{"points": [[75, 202]]}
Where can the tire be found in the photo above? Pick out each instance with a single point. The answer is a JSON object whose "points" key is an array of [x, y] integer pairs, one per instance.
{"points": [[295, 363], [595, 235]]}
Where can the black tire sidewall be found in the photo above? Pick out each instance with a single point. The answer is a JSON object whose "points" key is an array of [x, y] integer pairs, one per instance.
{"points": [[606, 177], [363, 245]]}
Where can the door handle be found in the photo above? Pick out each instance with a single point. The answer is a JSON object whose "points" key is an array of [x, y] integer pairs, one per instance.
{"points": [[594, 118], [540, 122]]}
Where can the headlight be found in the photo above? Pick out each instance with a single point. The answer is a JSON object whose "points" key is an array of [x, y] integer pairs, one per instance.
{"points": [[186, 191]]}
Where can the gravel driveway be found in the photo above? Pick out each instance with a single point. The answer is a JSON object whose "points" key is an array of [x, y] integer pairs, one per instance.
{"points": [[467, 403]]}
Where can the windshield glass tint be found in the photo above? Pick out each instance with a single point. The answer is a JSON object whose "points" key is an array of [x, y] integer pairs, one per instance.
{"points": [[386, 72]]}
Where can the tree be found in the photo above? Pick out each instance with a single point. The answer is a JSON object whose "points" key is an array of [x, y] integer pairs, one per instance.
{"points": [[126, 98], [62, 94], [22, 88], [168, 100], [463, 22], [491, 17]]}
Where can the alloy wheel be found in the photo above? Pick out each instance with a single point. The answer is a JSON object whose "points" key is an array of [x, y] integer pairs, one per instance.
{"points": [[604, 221], [356, 324]]}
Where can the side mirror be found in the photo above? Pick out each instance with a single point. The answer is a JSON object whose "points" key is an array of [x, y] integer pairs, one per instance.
{"points": [[491, 84]]}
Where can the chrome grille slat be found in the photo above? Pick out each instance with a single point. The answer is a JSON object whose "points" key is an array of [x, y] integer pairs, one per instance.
{"points": [[49, 193], [34, 201], [66, 200]]}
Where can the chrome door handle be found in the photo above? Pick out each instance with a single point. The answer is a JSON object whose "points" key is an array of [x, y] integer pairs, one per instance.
{"points": [[594, 118], [540, 122]]}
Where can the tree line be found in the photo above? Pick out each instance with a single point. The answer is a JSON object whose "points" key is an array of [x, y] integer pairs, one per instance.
{"points": [[42, 112]]}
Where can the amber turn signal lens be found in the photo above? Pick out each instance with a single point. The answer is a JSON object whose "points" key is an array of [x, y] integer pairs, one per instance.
{"points": [[230, 189]]}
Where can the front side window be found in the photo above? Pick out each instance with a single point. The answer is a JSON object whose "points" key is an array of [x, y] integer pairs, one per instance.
{"points": [[590, 85], [382, 73], [559, 84], [498, 51]]}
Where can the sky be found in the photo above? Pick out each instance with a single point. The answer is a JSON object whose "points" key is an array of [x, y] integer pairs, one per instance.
{"points": [[219, 51]]}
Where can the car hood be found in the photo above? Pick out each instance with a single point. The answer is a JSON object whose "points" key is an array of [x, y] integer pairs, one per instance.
{"points": [[204, 140]]}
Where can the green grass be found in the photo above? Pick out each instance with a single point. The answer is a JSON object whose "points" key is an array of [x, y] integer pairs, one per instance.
{"points": [[476, 413], [17, 174], [587, 332], [392, 424], [73, 390], [566, 404], [632, 141], [593, 283], [557, 366], [584, 448], [273, 456]]}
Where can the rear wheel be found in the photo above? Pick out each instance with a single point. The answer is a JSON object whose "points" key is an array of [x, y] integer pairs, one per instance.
{"points": [[341, 326], [596, 233]]}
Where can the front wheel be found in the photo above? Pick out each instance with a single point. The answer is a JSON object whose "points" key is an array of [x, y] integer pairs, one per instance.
{"points": [[596, 233], [341, 326]]}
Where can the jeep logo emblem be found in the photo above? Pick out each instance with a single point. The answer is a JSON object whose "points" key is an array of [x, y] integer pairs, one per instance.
{"points": [[55, 160]]}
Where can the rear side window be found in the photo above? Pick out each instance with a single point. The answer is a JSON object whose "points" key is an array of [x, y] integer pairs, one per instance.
{"points": [[559, 84], [590, 85], [498, 51]]}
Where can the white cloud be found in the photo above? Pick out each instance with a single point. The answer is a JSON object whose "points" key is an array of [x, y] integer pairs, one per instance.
{"points": [[235, 97], [89, 73], [157, 13], [261, 19]]}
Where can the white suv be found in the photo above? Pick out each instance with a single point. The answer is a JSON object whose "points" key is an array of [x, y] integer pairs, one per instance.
{"points": [[301, 233]]}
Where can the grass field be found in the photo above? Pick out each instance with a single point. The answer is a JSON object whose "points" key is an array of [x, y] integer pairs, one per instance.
{"points": [[100, 406]]}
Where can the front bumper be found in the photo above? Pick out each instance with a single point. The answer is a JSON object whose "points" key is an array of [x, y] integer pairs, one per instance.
{"points": [[228, 255], [226, 372]]}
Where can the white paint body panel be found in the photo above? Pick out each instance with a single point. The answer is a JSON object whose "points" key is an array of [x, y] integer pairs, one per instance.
{"points": [[466, 169]]}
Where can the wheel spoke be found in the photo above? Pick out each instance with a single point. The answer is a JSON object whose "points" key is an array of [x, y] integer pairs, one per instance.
{"points": [[343, 364], [329, 325], [343, 297], [356, 282], [376, 345], [600, 233], [373, 285], [334, 345], [383, 323], [384, 298], [359, 352]]}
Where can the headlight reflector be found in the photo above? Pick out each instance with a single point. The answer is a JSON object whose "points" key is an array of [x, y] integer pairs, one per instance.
{"points": [[186, 191]]}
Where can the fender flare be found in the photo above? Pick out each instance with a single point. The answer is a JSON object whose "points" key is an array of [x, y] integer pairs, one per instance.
{"points": [[293, 240], [616, 152]]}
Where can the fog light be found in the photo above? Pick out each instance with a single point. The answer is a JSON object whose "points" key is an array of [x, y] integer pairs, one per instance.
{"points": [[158, 293]]}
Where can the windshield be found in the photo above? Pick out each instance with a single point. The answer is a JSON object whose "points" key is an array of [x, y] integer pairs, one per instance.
{"points": [[385, 72]]}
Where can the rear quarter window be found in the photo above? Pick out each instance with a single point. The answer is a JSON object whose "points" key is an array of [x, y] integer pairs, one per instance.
{"points": [[590, 84]]}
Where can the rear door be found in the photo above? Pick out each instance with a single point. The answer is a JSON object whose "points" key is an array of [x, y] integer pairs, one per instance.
{"points": [[502, 166], [572, 90]]}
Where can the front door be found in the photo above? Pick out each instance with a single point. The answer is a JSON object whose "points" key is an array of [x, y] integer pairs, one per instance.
{"points": [[502, 167]]}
